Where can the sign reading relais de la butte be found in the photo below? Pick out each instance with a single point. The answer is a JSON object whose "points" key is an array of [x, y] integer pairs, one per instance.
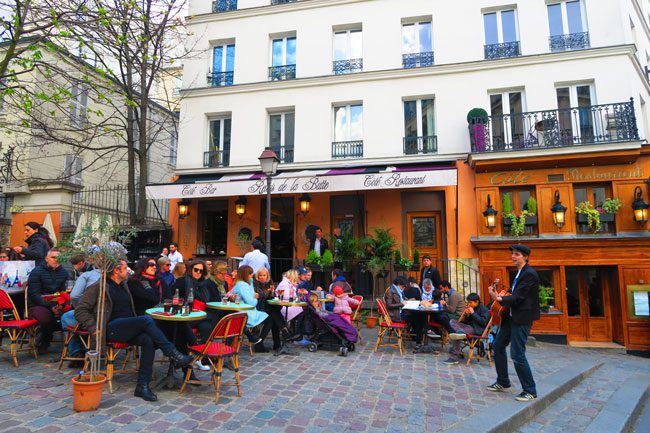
{"points": [[571, 174]]}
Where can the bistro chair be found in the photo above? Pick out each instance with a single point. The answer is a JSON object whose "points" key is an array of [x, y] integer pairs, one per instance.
{"points": [[69, 333], [444, 334], [224, 342], [356, 315], [113, 349], [480, 344], [388, 328], [19, 331]]}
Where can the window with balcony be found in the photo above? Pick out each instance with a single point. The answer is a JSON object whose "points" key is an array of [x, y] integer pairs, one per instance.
{"points": [[510, 125], [417, 45], [348, 57], [501, 36], [596, 195], [348, 131], [577, 116], [283, 59], [224, 6], [281, 135], [218, 154], [223, 66], [567, 26], [419, 127]]}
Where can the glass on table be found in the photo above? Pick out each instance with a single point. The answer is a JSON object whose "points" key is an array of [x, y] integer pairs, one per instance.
{"points": [[167, 305], [281, 293], [237, 299]]}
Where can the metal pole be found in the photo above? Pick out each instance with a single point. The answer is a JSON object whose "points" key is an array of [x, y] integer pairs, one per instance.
{"points": [[268, 217]]}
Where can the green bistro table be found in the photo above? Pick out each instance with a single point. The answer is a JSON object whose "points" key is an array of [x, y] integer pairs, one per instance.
{"points": [[230, 306], [284, 349]]}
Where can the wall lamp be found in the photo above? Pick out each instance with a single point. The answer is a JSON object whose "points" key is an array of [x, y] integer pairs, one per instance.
{"points": [[490, 215], [559, 211]]}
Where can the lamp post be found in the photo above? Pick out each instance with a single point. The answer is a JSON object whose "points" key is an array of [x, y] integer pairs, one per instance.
{"points": [[269, 162]]}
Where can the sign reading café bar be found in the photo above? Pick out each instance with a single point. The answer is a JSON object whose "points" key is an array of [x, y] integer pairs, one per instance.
{"points": [[579, 174], [297, 183]]}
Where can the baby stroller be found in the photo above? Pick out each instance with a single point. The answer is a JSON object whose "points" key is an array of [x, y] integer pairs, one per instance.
{"points": [[328, 335]]}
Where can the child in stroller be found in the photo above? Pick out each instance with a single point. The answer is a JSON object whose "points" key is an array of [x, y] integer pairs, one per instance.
{"points": [[329, 329]]}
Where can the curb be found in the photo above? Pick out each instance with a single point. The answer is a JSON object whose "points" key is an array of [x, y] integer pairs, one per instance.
{"points": [[506, 417], [622, 408]]}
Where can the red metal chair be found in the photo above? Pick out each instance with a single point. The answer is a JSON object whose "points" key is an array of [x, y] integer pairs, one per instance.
{"points": [[113, 349], [356, 315], [224, 342], [388, 328], [444, 334], [69, 333], [19, 331]]}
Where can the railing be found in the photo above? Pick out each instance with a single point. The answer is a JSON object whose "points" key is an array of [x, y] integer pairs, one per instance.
{"points": [[347, 149], [281, 2], [113, 201], [596, 124], [286, 72], [216, 158], [416, 60], [500, 51], [424, 144], [224, 6], [284, 153], [349, 66], [218, 79], [573, 41]]}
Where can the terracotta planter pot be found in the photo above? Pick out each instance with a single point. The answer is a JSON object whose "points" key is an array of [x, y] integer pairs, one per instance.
{"points": [[371, 321], [87, 396]]}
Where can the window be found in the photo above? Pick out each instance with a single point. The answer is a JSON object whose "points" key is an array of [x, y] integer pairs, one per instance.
{"points": [[283, 59], [73, 169], [281, 135], [510, 127], [223, 65], [567, 26], [173, 148], [419, 127], [596, 195], [348, 57], [575, 114], [224, 5], [417, 47], [218, 154], [501, 36], [521, 199], [178, 85], [348, 131], [78, 104]]}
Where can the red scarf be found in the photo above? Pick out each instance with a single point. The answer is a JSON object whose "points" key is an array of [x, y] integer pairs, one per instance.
{"points": [[151, 278]]}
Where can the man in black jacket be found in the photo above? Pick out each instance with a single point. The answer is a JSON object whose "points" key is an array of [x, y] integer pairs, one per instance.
{"points": [[523, 301], [431, 272], [319, 243], [475, 318], [46, 279]]}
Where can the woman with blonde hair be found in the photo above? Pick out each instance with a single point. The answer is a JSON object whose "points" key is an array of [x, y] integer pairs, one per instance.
{"points": [[179, 270], [220, 276], [287, 290]]}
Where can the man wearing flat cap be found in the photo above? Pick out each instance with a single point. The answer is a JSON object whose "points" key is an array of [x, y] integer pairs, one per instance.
{"points": [[523, 302]]}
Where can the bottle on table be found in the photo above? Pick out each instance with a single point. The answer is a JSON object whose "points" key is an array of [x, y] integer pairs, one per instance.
{"points": [[190, 298]]}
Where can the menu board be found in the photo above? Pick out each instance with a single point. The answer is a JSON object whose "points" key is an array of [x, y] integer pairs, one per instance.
{"points": [[638, 298]]}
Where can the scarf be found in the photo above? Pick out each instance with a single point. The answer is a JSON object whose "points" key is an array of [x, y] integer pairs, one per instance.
{"points": [[157, 284]]}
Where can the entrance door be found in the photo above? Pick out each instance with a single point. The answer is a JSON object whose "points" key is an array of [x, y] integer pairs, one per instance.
{"points": [[282, 246], [424, 235], [588, 304], [347, 222]]}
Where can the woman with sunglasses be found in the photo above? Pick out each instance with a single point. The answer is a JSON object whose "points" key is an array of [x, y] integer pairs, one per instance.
{"points": [[220, 277], [145, 287]]}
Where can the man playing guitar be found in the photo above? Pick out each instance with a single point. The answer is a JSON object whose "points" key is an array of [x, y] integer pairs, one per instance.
{"points": [[523, 302]]}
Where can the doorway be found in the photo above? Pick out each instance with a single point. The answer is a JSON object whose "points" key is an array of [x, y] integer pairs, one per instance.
{"points": [[282, 246], [589, 295], [424, 234], [213, 223]]}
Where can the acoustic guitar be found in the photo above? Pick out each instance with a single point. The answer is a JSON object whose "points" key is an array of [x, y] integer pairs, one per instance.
{"points": [[497, 311]]}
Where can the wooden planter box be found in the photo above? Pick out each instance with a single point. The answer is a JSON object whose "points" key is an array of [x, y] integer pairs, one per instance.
{"points": [[530, 221], [604, 218]]}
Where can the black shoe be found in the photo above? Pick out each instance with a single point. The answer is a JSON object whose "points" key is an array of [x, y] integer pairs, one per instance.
{"points": [[144, 392], [497, 387], [525, 396], [260, 348], [179, 359], [75, 364]]}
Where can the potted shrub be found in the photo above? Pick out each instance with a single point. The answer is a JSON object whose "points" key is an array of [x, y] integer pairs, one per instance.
{"points": [[416, 259], [587, 214], [314, 260], [347, 249], [400, 263], [516, 224], [327, 260], [377, 251], [477, 118], [545, 294], [610, 208], [531, 207]]}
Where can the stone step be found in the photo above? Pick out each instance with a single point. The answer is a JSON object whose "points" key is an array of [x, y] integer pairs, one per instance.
{"points": [[509, 416], [643, 421], [622, 408]]}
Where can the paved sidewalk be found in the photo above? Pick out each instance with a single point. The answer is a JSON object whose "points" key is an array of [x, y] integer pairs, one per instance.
{"points": [[314, 392]]}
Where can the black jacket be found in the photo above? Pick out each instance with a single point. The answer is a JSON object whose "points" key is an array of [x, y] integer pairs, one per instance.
{"points": [[204, 290], [146, 293], [524, 301], [44, 280], [37, 248], [431, 273], [479, 319], [324, 245], [413, 293]]}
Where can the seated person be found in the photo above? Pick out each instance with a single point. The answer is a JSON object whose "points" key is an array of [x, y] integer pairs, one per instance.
{"points": [[244, 288], [122, 325], [412, 291], [346, 330], [343, 303], [46, 279], [428, 292], [475, 318], [452, 307], [394, 298]]}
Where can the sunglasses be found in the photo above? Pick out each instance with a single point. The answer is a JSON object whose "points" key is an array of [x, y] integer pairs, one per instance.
{"points": [[151, 265], [197, 269]]}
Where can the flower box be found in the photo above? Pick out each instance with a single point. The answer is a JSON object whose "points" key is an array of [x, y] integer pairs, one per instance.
{"points": [[604, 218]]}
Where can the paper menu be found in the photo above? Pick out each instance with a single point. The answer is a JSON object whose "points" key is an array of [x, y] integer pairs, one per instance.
{"points": [[641, 304], [411, 305]]}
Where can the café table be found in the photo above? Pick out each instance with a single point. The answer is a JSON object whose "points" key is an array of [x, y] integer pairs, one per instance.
{"points": [[419, 309], [284, 349], [158, 313], [229, 306]]}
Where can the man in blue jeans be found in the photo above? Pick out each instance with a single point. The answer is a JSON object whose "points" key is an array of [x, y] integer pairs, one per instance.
{"points": [[523, 303], [122, 325]]}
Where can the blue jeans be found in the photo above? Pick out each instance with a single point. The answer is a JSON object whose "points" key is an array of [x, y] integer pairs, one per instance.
{"points": [[516, 336], [140, 331], [67, 319]]}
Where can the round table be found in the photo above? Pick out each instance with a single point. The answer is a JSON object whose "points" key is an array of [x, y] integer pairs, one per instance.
{"points": [[158, 313], [230, 306], [437, 308], [280, 303]]}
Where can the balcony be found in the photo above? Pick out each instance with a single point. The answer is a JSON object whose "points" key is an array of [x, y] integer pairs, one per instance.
{"points": [[281, 2], [281, 73], [573, 41], [417, 60], [350, 66], [347, 149], [589, 125], [285, 153], [502, 51], [420, 145], [216, 158], [220, 79], [224, 6]]}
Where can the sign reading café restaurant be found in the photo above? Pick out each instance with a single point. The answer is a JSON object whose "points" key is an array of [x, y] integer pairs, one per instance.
{"points": [[583, 174], [306, 181]]}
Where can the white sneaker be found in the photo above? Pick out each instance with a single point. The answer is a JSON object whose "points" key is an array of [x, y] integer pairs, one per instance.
{"points": [[433, 335], [201, 367], [455, 336]]}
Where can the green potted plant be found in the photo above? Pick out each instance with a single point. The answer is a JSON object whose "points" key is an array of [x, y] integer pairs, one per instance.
{"points": [[610, 208], [313, 260], [416, 258], [531, 207], [327, 259], [401, 263], [587, 214], [347, 249], [477, 118], [546, 293], [377, 251], [516, 224]]}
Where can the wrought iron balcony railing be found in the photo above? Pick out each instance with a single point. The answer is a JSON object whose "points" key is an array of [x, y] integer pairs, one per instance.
{"points": [[278, 73], [573, 41], [349, 66], [281, 2], [500, 51], [219, 79], [424, 144], [284, 153], [347, 149], [595, 124], [417, 60], [216, 158], [224, 6]]}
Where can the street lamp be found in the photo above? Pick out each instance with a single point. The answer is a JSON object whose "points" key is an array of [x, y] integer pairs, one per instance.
{"points": [[305, 202], [639, 207], [269, 162], [490, 215], [240, 206], [559, 211]]}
